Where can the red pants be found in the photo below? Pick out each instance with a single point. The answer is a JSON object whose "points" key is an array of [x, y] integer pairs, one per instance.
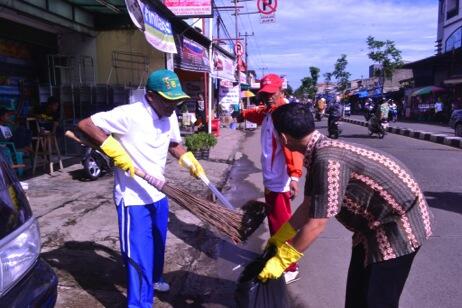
{"points": [[278, 211]]}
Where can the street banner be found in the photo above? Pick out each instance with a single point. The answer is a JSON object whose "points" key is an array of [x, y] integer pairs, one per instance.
{"points": [[190, 8], [228, 97], [136, 15], [158, 30], [223, 66], [242, 78], [192, 56]]}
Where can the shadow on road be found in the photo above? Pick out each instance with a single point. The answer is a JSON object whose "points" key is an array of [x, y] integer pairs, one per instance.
{"points": [[96, 268], [207, 242], [448, 201], [359, 136], [192, 290]]}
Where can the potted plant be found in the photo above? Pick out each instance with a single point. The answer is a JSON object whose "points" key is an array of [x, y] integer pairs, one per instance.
{"points": [[200, 144], [194, 144], [208, 142]]}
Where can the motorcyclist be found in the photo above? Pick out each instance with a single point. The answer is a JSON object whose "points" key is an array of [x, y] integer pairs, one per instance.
{"points": [[320, 108], [335, 111], [369, 107]]}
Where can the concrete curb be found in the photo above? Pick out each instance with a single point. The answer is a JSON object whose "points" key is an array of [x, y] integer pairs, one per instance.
{"points": [[428, 136]]}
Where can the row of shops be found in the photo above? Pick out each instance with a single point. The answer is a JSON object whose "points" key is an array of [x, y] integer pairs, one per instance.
{"points": [[95, 57]]}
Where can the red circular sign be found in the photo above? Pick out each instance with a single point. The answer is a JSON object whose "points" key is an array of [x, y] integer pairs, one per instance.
{"points": [[267, 7], [238, 49]]}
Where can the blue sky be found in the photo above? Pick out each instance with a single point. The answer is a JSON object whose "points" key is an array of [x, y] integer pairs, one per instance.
{"points": [[315, 33]]}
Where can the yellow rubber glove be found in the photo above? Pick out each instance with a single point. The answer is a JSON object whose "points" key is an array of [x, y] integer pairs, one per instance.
{"points": [[188, 160], [114, 150], [285, 233], [285, 256]]}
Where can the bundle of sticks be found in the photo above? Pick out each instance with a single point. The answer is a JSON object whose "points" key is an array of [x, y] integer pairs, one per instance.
{"points": [[238, 224]]}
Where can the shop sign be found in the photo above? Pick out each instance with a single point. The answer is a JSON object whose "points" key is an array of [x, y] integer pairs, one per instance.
{"points": [[242, 77], [228, 97], [192, 56], [136, 15], [190, 8], [223, 66], [226, 83], [158, 30]]}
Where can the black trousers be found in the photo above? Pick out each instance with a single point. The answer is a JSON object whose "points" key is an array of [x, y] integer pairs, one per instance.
{"points": [[379, 285]]}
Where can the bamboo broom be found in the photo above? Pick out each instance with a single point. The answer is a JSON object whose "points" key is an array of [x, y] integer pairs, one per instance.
{"points": [[238, 224]]}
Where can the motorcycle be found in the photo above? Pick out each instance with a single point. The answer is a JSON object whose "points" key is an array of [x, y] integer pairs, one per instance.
{"points": [[333, 129], [377, 126], [95, 163]]}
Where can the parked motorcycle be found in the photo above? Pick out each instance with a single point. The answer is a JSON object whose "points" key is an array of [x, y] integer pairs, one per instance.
{"points": [[95, 163], [377, 126], [334, 129]]}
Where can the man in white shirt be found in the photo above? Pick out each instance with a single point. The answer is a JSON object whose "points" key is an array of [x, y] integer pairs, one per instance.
{"points": [[139, 135]]}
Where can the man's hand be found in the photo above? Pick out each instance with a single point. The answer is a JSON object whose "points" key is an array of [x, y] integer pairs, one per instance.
{"points": [[188, 160], [157, 181], [293, 189], [114, 150], [285, 256]]}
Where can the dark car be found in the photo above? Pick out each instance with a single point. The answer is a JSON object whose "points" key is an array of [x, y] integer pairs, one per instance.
{"points": [[25, 279], [456, 122]]}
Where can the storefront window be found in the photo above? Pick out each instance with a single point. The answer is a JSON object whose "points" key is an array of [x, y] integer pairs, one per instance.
{"points": [[454, 40]]}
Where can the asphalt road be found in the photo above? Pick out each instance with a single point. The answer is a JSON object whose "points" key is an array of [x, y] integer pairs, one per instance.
{"points": [[435, 279]]}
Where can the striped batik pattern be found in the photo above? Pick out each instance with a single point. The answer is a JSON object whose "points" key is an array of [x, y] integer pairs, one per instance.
{"points": [[370, 193]]}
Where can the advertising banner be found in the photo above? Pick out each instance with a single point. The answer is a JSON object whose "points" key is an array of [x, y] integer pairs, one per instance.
{"points": [[157, 30], [223, 66], [190, 8], [192, 56], [228, 97]]}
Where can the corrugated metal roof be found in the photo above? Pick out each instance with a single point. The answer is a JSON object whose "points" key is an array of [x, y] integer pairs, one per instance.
{"points": [[113, 7]]}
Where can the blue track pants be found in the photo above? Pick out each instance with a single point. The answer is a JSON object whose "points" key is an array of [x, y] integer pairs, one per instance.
{"points": [[142, 231]]}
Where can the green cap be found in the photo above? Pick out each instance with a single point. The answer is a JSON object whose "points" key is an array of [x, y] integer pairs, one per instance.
{"points": [[166, 83]]}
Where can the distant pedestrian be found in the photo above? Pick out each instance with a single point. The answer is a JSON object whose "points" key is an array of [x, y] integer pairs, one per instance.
{"points": [[439, 110], [370, 193]]}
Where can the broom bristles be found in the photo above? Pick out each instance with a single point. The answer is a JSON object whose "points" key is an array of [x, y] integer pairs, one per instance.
{"points": [[237, 225]]}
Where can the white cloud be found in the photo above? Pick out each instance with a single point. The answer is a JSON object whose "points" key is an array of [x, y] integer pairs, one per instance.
{"points": [[316, 33]]}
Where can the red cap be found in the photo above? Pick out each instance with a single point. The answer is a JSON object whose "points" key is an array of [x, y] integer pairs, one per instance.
{"points": [[270, 83]]}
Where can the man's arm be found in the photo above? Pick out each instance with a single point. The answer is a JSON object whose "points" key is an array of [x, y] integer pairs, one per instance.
{"points": [[176, 149], [96, 134]]}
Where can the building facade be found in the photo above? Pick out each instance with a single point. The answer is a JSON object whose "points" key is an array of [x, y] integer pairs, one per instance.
{"points": [[449, 35]]}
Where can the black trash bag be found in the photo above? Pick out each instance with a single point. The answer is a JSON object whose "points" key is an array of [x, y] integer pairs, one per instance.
{"points": [[252, 293]]}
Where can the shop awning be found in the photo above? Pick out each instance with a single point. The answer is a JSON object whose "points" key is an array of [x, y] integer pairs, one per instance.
{"points": [[428, 90], [453, 81]]}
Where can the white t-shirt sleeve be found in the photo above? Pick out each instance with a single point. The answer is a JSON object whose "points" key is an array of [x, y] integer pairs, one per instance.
{"points": [[115, 121], [175, 129]]}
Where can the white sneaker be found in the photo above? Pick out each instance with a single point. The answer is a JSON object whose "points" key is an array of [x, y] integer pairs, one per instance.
{"points": [[161, 286], [290, 277]]}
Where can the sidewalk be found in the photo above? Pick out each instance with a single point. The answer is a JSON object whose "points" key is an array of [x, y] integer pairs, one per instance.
{"points": [[78, 225], [430, 132]]}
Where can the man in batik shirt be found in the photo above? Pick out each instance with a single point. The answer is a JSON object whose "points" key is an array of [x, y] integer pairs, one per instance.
{"points": [[370, 193]]}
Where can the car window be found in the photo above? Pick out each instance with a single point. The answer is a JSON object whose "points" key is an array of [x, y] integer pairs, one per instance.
{"points": [[14, 207]]}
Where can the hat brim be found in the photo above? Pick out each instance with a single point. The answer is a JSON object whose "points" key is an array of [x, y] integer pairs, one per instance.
{"points": [[174, 96], [269, 89]]}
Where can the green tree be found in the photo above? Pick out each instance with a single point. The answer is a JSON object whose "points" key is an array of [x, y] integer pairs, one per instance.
{"points": [[340, 73], [308, 87], [386, 55], [289, 91]]}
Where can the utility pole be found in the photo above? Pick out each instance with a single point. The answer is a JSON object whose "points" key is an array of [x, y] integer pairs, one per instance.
{"points": [[263, 69], [246, 61]]}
